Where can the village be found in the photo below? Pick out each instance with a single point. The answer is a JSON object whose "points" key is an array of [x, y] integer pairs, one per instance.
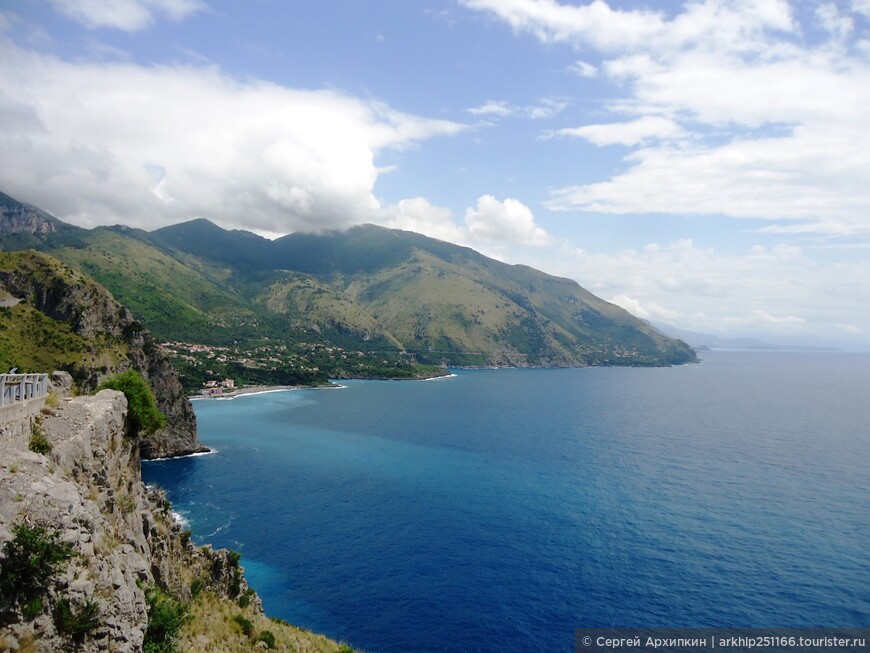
{"points": [[219, 369]]}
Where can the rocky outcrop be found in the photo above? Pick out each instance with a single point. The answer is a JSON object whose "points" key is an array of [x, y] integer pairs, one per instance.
{"points": [[88, 489], [18, 218], [56, 290]]}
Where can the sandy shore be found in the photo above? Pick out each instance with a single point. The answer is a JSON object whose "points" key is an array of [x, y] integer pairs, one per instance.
{"points": [[262, 389]]}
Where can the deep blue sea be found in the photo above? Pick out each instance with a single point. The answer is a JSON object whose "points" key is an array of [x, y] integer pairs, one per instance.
{"points": [[499, 510]]}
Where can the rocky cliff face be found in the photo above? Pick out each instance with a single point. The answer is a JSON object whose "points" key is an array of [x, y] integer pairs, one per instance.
{"points": [[64, 295], [18, 218], [129, 570], [88, 489]]}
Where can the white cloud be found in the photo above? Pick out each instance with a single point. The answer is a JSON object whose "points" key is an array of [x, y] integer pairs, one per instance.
{"points": [[839, 25], [544, 109], [492, 108], [551, 22], [127, 15], [104, 143], [626, 133], [511, 221], [782, 293], [584, 69], [489, 226], [419, 215], [771, 123]]}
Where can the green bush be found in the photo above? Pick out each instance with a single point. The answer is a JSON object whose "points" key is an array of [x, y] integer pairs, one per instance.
{"points": [[268, 637], [30, 559], [245, 624], [245, 598], [32, 609], [77, 623], [166, 617], [142, 408], [38, 441]]}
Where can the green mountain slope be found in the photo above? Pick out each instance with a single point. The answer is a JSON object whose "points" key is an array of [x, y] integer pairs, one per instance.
{"points": [[54, 318], [368, 288], [176, 298]]}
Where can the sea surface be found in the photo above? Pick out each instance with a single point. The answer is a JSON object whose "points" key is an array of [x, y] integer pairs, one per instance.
{"points": [[498, 510]]}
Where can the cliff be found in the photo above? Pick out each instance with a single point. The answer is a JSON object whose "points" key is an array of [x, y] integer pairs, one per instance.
{"points": [[114, 568], [104, 340]]}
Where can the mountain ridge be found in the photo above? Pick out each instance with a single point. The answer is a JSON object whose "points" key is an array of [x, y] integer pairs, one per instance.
{"points": [[367, 288]]}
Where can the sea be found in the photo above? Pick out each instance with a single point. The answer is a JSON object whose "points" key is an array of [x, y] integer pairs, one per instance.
{"points": [[499, 510]]}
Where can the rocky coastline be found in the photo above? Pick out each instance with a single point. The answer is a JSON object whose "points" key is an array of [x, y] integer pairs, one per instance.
{"points": [[83, 487]]}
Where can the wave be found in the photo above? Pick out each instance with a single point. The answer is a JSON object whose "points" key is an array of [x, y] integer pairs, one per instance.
{"points": [[189, 455]]}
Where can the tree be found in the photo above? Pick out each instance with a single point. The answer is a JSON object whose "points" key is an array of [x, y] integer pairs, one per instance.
{"points": [[144, 415]]}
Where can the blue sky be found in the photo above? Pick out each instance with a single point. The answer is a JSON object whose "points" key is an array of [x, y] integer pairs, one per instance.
{"points": [[705, 163]]}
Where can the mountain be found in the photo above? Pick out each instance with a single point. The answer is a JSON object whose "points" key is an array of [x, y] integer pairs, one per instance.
{"points": [[53, 318], [710, 341], [368, 289]]}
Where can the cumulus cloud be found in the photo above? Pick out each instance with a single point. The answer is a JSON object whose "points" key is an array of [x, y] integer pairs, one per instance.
{"points": [[728, 106], [489, 225], [509, 220], [420, 215], [127, 15], [118, 142]]}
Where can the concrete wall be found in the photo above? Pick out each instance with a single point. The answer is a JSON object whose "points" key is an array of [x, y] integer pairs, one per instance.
{"points": [[16, 420]]}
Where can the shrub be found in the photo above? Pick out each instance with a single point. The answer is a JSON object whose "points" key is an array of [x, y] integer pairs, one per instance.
{"points": [[142, 408], [166, 617], [77, 623], [245, 624], [268, 637], [38, 441], [32, 609], [245, 598], [30, 559]]}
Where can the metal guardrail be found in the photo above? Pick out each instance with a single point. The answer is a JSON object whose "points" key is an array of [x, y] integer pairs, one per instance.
{"points": [[15, 388]]}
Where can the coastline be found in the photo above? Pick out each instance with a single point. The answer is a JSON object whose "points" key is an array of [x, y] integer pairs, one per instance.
{"points": [[262, 389], [332, 385]]}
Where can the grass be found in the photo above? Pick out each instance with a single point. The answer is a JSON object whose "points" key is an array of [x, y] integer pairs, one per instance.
{"points": [[214, 627], [35, 342]]}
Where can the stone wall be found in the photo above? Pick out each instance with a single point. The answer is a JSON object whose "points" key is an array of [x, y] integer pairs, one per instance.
{"points": [[16, 421]]}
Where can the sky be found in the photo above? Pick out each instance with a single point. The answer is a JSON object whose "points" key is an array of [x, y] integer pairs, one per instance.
{"points": [[704, 164]]}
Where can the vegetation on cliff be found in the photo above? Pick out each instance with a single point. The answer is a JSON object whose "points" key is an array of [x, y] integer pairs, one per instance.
{"points": [[91, 559], [142, 411], [55, 318]]}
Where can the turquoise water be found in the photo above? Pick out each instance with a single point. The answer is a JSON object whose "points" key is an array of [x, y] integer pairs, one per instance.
{"points": [[500, 509]]}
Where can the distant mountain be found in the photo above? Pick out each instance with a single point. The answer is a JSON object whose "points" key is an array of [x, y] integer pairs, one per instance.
{"points": [[701, 340], [367, 288]]}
